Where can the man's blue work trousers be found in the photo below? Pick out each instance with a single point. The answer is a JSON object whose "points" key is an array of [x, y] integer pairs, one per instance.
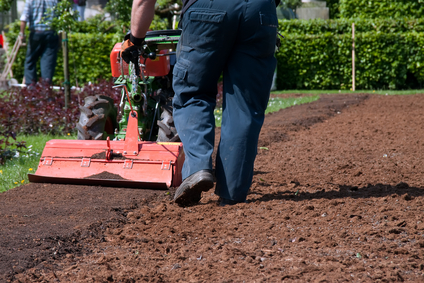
{"points": [[235, 38], [44, 45]]}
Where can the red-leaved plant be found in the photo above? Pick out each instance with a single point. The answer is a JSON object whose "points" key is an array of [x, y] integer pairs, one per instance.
{"points": [[40, 110]]}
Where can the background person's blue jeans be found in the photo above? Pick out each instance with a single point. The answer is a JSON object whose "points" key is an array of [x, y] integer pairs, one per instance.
{"points": [[41, 45], [81, 11], [237, 38]]}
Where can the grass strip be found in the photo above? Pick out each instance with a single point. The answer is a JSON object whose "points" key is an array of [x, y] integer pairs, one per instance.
{"points": [[274, 104], [318, 92], [14, 172]]}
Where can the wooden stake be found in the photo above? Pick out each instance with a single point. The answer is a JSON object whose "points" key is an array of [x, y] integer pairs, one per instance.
{"points": [[66, 83], [353, 57]]}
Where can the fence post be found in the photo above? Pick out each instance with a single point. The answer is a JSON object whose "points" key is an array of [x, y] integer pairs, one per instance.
{"points": [[353, 57], [66, 84]]}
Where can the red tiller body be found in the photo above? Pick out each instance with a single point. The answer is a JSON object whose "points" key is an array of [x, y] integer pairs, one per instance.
{"points": [[124, 163], [154, 68]]}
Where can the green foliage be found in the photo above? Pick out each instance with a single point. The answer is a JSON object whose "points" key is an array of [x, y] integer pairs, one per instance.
{"points": [[40, 110], [98, 25], [89, 53], [5, 5], [160, 23], [324, 61], [333, 5], [90, 41], [121, 11], [277, 103], [274, 104], [292, 4], [316, 54], [342, 26], [381, 9], [15, 171], [65, 17], [89, 58]]}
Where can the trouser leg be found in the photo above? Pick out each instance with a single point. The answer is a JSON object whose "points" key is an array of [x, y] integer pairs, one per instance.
{"points": [[234, 36], [245, 100], [247, 83], [34, 50], [49, 56], [201, 57]]}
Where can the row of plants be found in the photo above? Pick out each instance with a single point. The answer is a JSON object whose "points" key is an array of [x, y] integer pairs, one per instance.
{"points": [[324, 61], [375, 8], [368, 8], [341, 26], [381, 9], [40, 110], [89, 54]]}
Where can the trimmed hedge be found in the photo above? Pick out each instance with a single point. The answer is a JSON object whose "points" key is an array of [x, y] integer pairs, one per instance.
{"points": [[333, 5], [342, 26], [383, 61], [314, 55], [381, 9]]}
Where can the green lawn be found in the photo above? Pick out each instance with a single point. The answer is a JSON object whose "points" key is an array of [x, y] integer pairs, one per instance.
{"points": [[317, 92], [274, 105], [14, 172]]}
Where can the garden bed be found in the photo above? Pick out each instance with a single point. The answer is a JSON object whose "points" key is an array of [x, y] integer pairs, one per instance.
{"points": [[337, 195]]}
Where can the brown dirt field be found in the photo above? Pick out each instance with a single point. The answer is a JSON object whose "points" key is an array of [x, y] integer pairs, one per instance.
{"points": [[337, 196]]}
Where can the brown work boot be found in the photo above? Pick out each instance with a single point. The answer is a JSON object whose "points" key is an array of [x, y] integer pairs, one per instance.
{"points": [[190, 191]]}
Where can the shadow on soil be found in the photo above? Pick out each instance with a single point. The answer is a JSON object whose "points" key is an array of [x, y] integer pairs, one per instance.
{"points": [[375, 191]]}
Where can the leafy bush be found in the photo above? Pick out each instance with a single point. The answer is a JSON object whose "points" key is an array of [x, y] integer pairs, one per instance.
{"points": [[5, 5], [333, 5], [381, 9], [383, 61], [40, 110]]}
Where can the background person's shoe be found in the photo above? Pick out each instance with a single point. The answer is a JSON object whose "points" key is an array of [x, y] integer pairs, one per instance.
{"points": [[190, 191]]}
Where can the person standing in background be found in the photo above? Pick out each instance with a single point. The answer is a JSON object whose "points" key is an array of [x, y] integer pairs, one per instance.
{"points": [[79, 5], [43, 43]]}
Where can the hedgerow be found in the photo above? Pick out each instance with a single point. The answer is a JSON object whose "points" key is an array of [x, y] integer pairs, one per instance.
{"points": [[381, 9], [342, 26], [315, 54], [324, 61]]}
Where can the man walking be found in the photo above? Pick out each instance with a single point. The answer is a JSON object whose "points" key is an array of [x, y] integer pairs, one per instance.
{"points": [[43, 42], [236, 38]]}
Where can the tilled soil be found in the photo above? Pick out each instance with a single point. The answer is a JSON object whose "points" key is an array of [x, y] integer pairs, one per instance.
{"points": [[337, 196]]}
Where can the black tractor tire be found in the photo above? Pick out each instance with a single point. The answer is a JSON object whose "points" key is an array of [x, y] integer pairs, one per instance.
{"points": [[98, 116], [167, 131]]}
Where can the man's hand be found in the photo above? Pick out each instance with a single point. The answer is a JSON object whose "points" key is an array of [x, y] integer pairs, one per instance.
{"points": [[22, 36], [130, 48]]}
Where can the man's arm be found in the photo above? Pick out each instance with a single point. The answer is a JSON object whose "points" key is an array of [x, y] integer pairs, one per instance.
{"points": [[22, 31], [23, 25], [24, 19], [142, 15]]}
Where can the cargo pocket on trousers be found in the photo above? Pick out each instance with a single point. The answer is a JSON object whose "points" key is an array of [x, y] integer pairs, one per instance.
{"points": [[205, 29], [180, 71]]}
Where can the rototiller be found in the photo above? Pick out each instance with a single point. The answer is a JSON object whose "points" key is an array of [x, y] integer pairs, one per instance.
{"points": [[142, 149]]}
